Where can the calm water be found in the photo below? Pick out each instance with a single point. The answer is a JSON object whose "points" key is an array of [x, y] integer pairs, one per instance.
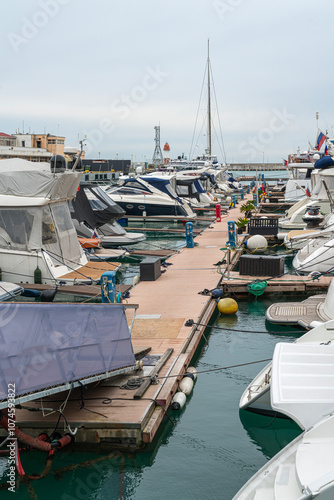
{"points": [[208, 450]]}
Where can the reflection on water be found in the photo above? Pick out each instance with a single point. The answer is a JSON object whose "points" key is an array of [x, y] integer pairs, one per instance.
{"points": [[269, 434]]}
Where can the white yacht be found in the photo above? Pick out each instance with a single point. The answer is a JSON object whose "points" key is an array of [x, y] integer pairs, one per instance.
{"points": [[38, 240], [139, 198], [320, 179], [256, 398], [303, 470], [317, 255]]}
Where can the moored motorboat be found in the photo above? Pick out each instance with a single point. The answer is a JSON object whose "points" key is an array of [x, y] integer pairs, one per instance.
{"points": [[38, 241], [95, 215], [139, 198], [301, 471], [256, 397]]}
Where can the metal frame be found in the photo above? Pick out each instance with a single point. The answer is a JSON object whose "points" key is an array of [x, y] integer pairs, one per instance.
{"points": [[60, 388]]}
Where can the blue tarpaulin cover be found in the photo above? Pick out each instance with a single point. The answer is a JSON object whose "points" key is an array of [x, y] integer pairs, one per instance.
{"points": [[44, 345]]}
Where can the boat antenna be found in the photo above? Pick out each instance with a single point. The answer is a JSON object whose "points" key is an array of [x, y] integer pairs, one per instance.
{"points": [[209, 102]]}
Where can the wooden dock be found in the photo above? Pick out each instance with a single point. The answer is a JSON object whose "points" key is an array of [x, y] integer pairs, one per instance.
{"points": [[110, 415]]}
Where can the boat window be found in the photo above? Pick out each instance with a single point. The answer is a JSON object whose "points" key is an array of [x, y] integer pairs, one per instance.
{"points": [[137, 185], [48, 231], [17, 224], [126, 191], [62, 217], [182, 190]]}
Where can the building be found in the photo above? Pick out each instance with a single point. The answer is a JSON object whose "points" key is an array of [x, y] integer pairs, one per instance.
{"points": [[7, 140], [32, 147]]}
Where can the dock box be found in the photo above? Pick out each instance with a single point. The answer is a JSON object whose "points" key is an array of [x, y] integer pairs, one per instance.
{"points": [[261, 265], [150, 269], [268, 226]]}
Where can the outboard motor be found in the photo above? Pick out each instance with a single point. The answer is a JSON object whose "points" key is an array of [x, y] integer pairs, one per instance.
{"points": [[313, 217], [57, 164]]}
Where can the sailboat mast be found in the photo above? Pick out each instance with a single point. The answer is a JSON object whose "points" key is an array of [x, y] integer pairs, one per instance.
{"points": [[209, 104]]}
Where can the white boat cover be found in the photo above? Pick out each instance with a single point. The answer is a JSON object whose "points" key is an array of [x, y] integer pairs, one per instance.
{"points": [[45, 345], [302, 383], [25, 178]]}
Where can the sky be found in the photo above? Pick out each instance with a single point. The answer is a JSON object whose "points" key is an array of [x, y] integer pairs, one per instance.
{"points": [[108, 72]]}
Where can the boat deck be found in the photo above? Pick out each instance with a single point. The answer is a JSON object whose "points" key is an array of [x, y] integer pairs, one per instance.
{"points": [[91, 271], [297, 313]]}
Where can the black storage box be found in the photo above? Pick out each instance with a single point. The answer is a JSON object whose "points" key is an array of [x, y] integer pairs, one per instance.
{"points": [[261, 265], [267, 226], [150, 269]]}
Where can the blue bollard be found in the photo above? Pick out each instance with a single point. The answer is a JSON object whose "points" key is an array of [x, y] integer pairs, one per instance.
{"points": [[242, 193], [108, 287], [233, 202], [231, 234], [189, 235], [254, 198], [248, 190]]}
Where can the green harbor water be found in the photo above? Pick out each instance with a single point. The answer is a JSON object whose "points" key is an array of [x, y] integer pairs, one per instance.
{"points": [[206, 451]]}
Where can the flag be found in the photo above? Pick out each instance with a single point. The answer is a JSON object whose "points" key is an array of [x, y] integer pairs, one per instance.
{"points": [[320, 140], [326, 150], [285, 162], [95, 234], [307, 192]]}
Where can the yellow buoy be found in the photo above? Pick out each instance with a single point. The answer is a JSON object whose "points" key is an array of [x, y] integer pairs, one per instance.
{"points": [[227, 306]]}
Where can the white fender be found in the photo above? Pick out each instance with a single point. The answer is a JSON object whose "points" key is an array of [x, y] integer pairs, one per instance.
{"points": [[178, 401]]}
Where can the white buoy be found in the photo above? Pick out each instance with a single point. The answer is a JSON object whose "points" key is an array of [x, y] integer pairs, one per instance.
{"points": [[193, 371], [178, 401], [186, 385], [257, 242]]}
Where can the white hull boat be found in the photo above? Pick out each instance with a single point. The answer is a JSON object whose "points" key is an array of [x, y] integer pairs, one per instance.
{"points": [[256, 397], [303, 470], [317, 255], [139, 198], [38, 241]]}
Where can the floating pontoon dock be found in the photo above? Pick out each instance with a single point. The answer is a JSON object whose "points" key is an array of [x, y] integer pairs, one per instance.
{"points": [[110, 415]]}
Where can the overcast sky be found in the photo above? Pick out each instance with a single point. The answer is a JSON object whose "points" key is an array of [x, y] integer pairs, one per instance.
{"points": [[113, 70]]}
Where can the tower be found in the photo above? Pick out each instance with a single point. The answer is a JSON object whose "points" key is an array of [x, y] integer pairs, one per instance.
{"points": [[166, 153], [157, 159]]}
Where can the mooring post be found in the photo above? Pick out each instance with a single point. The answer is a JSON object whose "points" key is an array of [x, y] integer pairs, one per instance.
{"points": [[231, 234], [218, 213], [189, 235]]}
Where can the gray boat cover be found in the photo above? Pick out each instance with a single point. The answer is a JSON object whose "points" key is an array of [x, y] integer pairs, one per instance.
{"points": [[26, 178], [45, 345]]}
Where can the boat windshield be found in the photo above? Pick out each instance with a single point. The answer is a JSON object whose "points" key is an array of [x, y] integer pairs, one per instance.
{"points": [[129, 186], [95, 203], [163, 185], [100, 195], [16, 226]]}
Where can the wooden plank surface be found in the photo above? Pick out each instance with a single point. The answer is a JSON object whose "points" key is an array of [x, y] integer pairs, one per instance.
{"points": [[147, 382], [92, 270]]}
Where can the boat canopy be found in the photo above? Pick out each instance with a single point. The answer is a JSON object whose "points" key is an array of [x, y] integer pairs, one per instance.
{"points": [[324, 162], [93, 206], [48, 227], [162, 184], [23, 178], [46, 345]]}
